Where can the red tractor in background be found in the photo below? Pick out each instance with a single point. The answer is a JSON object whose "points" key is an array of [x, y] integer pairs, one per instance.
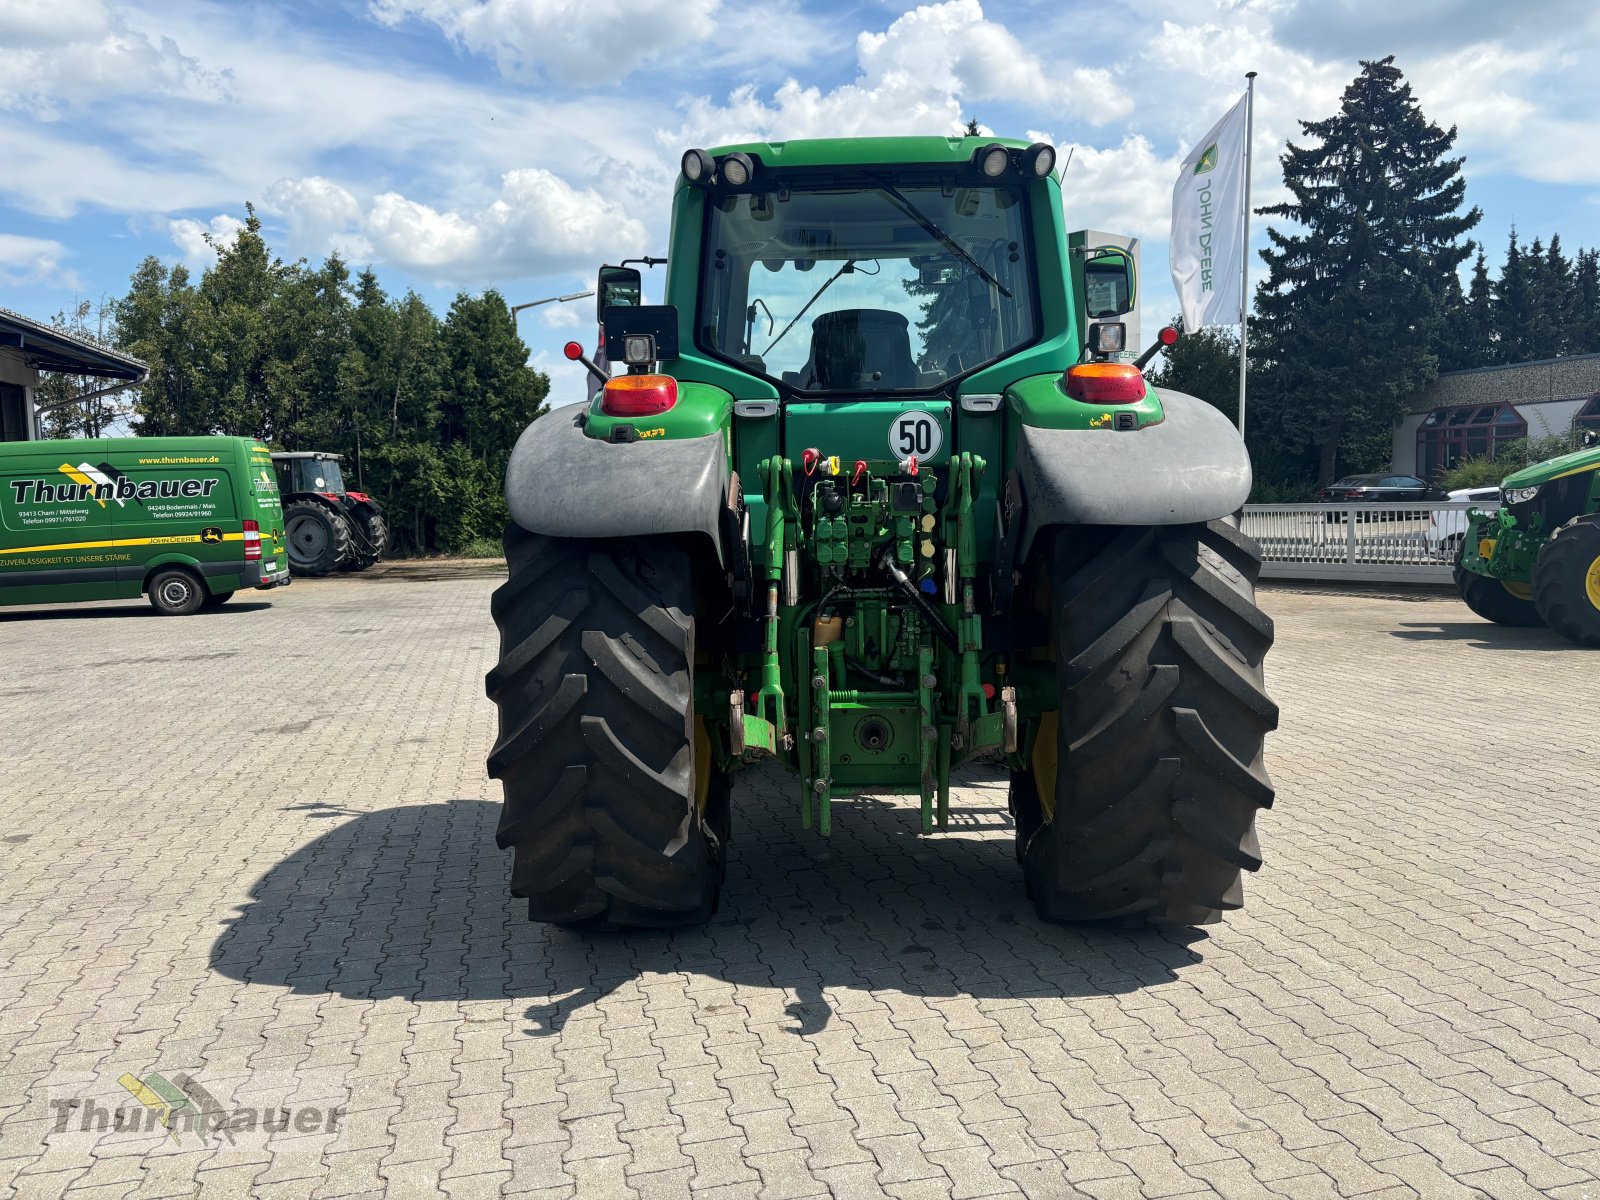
{"points": [[328, 527]]}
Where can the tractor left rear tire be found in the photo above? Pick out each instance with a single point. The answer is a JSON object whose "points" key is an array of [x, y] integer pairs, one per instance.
{"points": [[1566, 581], [614, 808], [318, 537]]}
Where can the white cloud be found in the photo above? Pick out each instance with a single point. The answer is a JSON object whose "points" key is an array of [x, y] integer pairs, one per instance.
{"points": [[917, 76], [1125, 188], [61, 55], [31, 260], [32, 24], [537, 224], [191, 237], [569, 315], [321, 215], [598, 41]]}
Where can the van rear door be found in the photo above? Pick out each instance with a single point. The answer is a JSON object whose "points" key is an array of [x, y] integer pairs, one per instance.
{"points": [[265, 501]]}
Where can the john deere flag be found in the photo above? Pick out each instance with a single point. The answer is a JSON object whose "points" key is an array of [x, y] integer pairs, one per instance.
{"points": [[1207, 216]]}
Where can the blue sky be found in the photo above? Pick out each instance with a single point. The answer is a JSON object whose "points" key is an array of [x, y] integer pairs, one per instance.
{"points": [[462, 144]]}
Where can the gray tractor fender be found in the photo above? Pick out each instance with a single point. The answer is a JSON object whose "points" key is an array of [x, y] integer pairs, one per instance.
{"points": [[563, 484], [1190, 467]]}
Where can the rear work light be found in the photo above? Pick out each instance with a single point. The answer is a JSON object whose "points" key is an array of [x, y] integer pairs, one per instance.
{"points": [[1105, 383], [638, 395], [252, 541]]}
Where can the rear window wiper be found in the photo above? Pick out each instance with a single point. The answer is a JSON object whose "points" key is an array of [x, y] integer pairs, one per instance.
{"points": [[929, 227]]}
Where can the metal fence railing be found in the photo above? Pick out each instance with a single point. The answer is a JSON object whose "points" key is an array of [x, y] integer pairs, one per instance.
{"points": [[1388, 543]]}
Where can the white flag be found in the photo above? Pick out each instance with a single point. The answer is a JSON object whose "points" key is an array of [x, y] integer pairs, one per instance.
{"points": [[1207, 215]]}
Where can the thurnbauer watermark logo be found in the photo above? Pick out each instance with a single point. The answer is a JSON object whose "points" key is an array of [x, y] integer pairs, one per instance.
{"points": [[174, 1112], [1208, 160]]}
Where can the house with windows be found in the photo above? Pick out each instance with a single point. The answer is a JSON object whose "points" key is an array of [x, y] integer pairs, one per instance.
{"points": [[1466, 414], [29, 348]]}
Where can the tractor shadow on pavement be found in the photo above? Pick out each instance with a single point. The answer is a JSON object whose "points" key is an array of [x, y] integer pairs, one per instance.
{"points": [[1481, 635], [411, 902]]}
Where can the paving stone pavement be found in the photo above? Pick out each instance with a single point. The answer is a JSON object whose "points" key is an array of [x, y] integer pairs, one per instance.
{"points": [[252, 851]]}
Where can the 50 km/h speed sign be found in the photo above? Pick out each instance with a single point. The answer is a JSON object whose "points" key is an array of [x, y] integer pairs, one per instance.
{"points": [[915, 434]]}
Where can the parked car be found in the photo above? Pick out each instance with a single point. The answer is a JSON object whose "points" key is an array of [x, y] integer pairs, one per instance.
{"points": [[1385, 489], [1447, 528]]}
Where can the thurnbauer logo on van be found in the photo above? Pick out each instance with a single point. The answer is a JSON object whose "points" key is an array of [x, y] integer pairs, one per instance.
{"points": [[104, 483]]}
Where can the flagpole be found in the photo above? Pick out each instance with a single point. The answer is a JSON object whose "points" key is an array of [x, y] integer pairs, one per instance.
{"points": [[1244, 250]]}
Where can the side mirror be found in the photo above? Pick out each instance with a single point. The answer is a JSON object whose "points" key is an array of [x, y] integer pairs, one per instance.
{"points": [[1591, 437], [1110, 287], [617, 287]]}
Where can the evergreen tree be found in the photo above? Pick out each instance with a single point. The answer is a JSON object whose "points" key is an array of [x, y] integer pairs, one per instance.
{"points": [[1479, 335], [1556, 289], [1584, 328], [1470, 334], [156, 322], [1542, 338], [1351, 313], [1516, 305]]}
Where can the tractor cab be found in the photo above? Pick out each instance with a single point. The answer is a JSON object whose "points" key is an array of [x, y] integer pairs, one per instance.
{"points": [[309, 471]]}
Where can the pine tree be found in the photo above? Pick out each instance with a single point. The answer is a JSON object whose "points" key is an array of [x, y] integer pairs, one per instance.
{"points": [[1516, 304], [1351, 313], [1479, 313], [1556, 287], [1470, 338], [1584, 329]]}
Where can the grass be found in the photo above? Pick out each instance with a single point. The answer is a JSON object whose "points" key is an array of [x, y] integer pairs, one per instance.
{"points": [[482, 548]]}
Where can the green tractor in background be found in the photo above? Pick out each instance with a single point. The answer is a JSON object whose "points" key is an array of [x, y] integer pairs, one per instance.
{"points": [[881, 492], [1536, 561]]}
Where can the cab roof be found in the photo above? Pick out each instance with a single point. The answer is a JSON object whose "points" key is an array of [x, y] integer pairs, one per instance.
{"points": [[865, 151]]}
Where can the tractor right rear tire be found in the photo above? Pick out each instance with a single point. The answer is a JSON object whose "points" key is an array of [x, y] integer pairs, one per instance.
{"points": [[318, 538], [1494, 600], [374, 531], [1145, 784], [614, 807], [1566, 580]]}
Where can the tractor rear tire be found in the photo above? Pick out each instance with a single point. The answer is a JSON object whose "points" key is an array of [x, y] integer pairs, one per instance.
{"points": [[613, 806], [374, 531], [1494, 600], [317, 536], [1154, 759], [1566, 581]]}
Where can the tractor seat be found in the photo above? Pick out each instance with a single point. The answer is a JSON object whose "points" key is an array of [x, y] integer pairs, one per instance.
{"points": [[866, 348]]}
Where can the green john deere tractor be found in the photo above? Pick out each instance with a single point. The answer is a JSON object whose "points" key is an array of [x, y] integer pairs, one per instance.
{"points": [[1537, 560], [880, 492]]}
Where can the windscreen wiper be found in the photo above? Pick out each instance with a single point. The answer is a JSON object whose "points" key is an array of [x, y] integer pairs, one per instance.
{"points": [[815, 296], [927, 223]]}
